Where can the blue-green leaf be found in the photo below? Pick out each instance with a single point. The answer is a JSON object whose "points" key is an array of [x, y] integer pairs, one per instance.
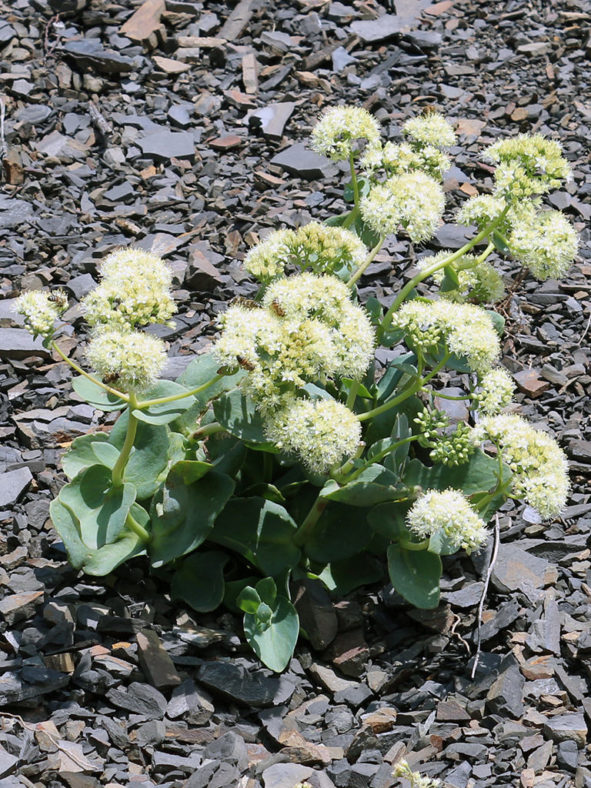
{"points": [[415, 574], [272, 633], [96, 395], [199, 580]]}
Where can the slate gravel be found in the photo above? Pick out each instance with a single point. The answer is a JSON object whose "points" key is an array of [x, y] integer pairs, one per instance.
{"points": [[182, 127]]}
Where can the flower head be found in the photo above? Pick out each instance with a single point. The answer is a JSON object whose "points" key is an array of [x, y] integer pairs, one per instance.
{"points": [[527, 165], [465, 329], [337, 132], [403, 158], [448, 511], [402, 769], [479, 282], [496, 391], [322, 432], [430, 129], [538, 464], [134, 292], [413, 201], [327, 250], [481, 210], [40, 311], [132, 360], [546, 243], [269, 258]]}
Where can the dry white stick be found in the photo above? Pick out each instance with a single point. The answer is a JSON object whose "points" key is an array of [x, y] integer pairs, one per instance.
{"points": [[493, 558]]}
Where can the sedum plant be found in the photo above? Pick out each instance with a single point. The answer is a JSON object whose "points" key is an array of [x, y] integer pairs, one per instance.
{"points": [[289, 451]]}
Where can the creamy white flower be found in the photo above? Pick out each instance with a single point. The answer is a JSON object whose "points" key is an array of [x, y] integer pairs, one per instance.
{"points": [[478, 281], [337, 132], [528, 164], [430, 129], [413, 201], [495, 391], [327, 250], [134, 292], [39, 311], [415, 780], [403, 158], [131, 360], [481, 210], [546, 243], [308, 295], [269, 258], [465, 329], [322, 432], [538, 464], [448, 511]]}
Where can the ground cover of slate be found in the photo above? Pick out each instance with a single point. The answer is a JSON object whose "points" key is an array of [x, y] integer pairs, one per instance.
{"points": [[183, 129]]}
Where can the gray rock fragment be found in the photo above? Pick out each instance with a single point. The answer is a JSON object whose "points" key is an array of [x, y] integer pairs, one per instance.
{"points": [[13, 484]]}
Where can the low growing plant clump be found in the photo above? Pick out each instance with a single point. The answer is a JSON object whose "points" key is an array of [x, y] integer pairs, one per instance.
{"points": [[288, 451]]}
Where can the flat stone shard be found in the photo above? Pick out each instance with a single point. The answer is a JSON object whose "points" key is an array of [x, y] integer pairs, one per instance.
{"points": [[384, 27], [298, 160], [13, 212], [570, 726], [89, 53], [252, 688], [18, 343], [140, 699], [13, 484], [505, 695], [166, 145], [516, 569], [272, 119], [155, 661], [144, 24]]}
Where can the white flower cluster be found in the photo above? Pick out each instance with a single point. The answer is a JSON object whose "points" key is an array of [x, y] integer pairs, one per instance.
{"points": [[307, 329], [323, 249], [322, 432], [130, 360], [134, 292], [478, 281], [466, 330], [403, 770], [538, 464], [448, 511], [270, 257], [481, 210], [496, 390], [431, 128], [336, 134], [545, 242], [413, 201], [40, 311], [403, 158], [528, 165]]}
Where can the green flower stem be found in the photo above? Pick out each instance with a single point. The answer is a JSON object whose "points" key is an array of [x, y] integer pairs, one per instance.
{"points": [[351, 218], [80, 371], [352, 396], [310, 521], [481, 258], [379, 456], [370, 258], [354, 182], [208, 429], [426, 272], [449, 396], [173, 397], [119, 467], [404, 543], [138, 529], [407, 392]]}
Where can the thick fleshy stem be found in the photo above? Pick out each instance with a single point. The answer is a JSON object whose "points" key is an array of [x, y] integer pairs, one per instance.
{"points": [[413, 545], [380, 456], [119, 467], [173, 397], [80, 371], [367, 262], [138, 529], [416, 387], [426, 272], [310, 521]]}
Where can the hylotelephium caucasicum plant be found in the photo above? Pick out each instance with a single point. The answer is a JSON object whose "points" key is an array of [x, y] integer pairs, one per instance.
{"points": [[288, 451]]}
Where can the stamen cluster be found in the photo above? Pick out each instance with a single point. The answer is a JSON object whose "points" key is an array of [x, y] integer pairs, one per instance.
{"points": [[464, 329], [40, 311], [448, 511], [338, 132], [538, 464], [528, 165], [496, 390]]}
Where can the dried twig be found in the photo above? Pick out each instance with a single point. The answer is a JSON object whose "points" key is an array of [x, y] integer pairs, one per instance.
{"points": [[2, 137], [584, 334], [48, 48], [491, 565]]}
